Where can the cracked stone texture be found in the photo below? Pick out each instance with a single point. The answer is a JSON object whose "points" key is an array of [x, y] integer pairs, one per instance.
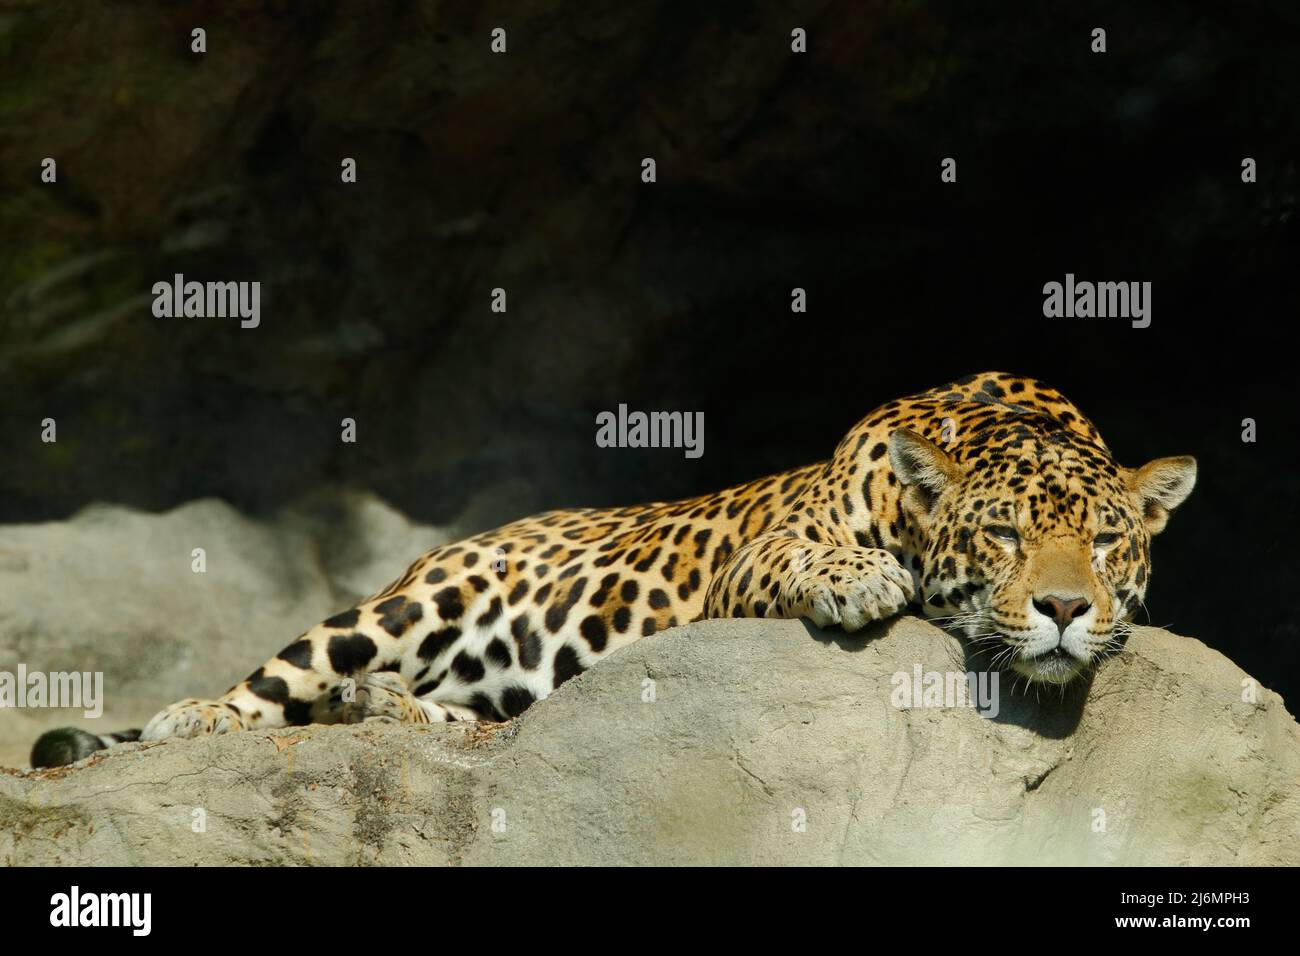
{"points": [[753, 726], [112, 590]]}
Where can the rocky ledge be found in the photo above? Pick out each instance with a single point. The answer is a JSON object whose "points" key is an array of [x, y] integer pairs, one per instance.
{"points": [[724, 742]]}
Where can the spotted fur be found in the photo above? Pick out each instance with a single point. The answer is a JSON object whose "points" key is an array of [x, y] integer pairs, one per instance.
{"points": [[990, 503]]}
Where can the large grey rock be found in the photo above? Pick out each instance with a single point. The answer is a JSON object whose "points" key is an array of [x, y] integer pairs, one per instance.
{"points": [[721, 742], [114, 590]]}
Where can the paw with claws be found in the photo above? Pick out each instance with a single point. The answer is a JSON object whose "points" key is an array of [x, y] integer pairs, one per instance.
{"points": [[193, 718], [850, 587], [380, 696]]}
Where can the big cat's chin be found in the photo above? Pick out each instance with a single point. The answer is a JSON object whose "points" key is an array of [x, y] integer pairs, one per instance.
{"points": [[1052, 668]]}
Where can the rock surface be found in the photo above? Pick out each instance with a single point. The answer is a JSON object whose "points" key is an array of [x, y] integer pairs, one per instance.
{"points": [[742, 742], [114, 590]]}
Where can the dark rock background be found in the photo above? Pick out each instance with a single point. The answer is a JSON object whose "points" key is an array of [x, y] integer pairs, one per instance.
{"points": [[522, 171]]}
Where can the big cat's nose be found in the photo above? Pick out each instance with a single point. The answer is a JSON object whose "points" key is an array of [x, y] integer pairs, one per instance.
{"points": [[1061, 610]]}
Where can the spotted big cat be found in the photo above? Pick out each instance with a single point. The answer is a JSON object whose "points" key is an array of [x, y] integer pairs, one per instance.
{"points": [[990, 504]]}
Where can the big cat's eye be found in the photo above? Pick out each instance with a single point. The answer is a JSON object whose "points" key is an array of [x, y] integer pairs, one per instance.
{"points": [[1002, 532], [1105, 539]]}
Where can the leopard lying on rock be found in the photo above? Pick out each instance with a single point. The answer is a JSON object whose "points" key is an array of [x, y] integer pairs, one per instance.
{"points": [[990, 504]]}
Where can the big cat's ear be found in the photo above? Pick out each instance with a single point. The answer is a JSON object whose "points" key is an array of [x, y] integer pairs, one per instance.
{"points": [[1161, 486], [921, 465]]}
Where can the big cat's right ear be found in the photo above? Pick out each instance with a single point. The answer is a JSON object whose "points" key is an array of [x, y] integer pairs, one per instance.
{"points": [[921, 465], [1161, 486]]}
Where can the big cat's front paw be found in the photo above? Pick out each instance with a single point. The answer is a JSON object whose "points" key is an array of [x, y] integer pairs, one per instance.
{"points": [[380, 696], [192, 718], [852, 587]]}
